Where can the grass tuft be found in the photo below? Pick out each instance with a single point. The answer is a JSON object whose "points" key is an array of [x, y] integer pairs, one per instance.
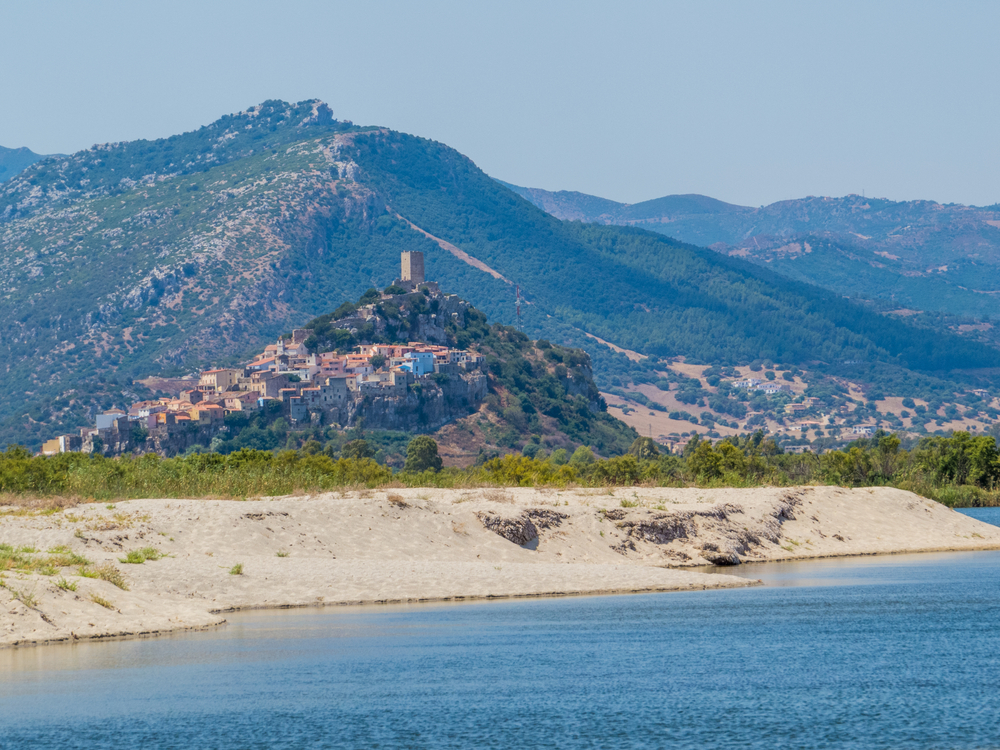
{"points": [[139, 556], [27, 598], [21, 559], [236, 570], [98, 599], [66, 585], [106, 572], [281, 553]]}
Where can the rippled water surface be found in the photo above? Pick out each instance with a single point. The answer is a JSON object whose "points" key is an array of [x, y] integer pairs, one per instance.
{"points": [[885, 652]]}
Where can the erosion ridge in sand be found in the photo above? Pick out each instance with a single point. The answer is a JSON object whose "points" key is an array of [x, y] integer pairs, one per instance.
{"points": [[413, 545]]}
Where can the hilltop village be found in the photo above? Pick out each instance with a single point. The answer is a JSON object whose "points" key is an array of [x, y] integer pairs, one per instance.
{"points": [[418, 385]]}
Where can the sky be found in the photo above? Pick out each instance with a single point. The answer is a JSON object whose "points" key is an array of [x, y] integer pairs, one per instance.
{"points": [[749, 102]]}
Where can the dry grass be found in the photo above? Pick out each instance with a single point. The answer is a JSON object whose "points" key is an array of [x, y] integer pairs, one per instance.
{"points": [[496, 495], [397, 500], [118, 521], [459, 528], [12, 503]]}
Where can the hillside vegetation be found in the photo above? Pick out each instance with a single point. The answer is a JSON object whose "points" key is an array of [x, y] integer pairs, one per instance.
{"points": [[161, 257]]}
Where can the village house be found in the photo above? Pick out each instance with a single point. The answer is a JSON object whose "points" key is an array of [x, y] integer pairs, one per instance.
{"points": [[218, 381]]}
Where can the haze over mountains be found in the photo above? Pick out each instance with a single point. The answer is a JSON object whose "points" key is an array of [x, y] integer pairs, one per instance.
{"points": [[15, 160], [160, 257], [912, 254]]}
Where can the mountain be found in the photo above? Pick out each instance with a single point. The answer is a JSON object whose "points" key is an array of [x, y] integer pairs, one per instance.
{"points": [[160, 257], [15, 160], [911, 254]]}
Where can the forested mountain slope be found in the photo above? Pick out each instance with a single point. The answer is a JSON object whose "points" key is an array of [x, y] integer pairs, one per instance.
{"points": [[159, 257], [916, 254]]}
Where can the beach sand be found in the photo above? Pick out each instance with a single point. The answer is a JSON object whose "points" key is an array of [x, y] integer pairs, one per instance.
{"points": [[415, 545]]}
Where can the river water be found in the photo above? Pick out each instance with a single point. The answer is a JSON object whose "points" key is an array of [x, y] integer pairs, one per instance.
{"points": [[881, 652]]}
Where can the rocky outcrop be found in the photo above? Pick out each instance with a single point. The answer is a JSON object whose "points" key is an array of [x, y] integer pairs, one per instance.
{"points": [[524, 527], [730, 534], [518, 529], [425, 406]]}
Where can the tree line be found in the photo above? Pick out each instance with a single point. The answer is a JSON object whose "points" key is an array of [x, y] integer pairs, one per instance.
{"points": [[961, 470]]}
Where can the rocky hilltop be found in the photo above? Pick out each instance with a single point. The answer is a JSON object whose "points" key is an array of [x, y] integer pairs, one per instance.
{"points": [[406, 359]]}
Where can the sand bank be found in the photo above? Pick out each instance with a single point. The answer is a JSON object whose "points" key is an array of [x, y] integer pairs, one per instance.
{"points": [[432, 545]]}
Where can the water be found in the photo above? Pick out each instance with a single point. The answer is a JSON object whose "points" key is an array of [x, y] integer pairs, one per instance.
{"points": [[885, 652]]}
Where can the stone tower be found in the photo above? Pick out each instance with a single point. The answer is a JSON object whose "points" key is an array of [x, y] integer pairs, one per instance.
{"points": [[413, 267]]}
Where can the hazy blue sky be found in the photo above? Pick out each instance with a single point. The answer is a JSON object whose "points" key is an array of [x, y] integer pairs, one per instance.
{"points": [[747, 102]]}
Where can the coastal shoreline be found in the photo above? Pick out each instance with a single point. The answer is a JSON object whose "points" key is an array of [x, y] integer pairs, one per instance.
{"points": [[426, 546]]}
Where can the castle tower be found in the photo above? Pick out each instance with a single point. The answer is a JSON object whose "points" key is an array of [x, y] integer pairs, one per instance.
{"points": [[413, 267]]}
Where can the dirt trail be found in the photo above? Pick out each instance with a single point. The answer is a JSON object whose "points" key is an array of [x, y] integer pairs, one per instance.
{"points": [[460, 254]]}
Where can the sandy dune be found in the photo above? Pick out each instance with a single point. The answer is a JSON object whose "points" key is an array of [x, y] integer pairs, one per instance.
{"points": [[421, 545]]}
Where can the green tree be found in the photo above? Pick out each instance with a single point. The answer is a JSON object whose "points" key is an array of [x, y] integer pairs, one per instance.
{"points": [[644, 448], [703, 462], [312, 447], [422, 454], [357, 449], [559, 457], [582, 456]]}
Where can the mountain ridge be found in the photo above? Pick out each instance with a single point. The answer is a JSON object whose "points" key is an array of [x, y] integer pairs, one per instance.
{"points": [[923, 254], [158, 257], [16, 160]]}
